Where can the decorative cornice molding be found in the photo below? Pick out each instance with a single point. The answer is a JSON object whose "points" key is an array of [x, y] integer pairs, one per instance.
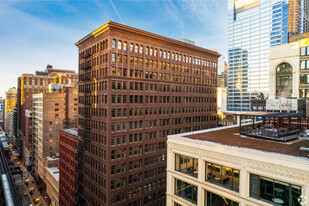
{"points": [[113, 25]]}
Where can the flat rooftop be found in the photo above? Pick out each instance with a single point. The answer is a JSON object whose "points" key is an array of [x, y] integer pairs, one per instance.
{"points": [[72, 131], [54, 171], [230, 136]]}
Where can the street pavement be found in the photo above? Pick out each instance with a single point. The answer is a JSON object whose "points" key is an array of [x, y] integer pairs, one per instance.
{"points": [[25, 188]]}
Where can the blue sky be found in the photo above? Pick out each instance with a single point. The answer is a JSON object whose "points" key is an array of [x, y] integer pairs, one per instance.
{"points": [[34, 33]]}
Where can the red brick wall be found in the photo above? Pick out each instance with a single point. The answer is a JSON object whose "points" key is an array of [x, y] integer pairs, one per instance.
{"points": [[68, 164]]}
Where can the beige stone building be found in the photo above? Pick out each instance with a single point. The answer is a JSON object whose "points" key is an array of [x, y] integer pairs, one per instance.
{"points": [[51, 112], [289, 75], [10, 101], [51, 178], [220, 167]]}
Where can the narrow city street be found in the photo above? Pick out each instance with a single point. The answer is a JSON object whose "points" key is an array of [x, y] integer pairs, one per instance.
{"points": [[26, 187]]}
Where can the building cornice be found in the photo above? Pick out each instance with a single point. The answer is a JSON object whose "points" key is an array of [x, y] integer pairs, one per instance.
{"points": [[113, 25]]}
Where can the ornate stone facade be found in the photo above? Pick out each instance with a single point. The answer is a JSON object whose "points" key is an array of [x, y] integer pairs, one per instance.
{"points": [[285, 168]]}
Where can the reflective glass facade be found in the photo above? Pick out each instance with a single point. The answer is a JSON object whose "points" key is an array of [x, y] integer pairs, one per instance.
{"points": [[248, 43], [279, 23], [252, 30]]}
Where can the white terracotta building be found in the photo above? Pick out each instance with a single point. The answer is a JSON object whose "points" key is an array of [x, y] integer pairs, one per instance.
{"points": [[220, 167]]}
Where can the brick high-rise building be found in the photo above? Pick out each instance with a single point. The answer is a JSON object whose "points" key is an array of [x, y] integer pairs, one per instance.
{"points": [[28, 85], [68, 165], [49, 114], [135, 88]]}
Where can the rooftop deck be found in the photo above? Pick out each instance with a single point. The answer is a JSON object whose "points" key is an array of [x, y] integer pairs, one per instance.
{"points": [[274, 126], [230, 136]]}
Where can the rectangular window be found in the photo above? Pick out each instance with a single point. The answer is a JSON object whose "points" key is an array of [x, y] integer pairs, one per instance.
{"points": [[186, 191], [304, 64], [222, 175], [187, 165], [304, 79], [274, 191], [212, 199], [125, 59], [119, 59]]}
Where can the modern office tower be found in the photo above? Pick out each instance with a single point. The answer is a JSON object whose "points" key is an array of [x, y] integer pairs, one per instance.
{"points": [[10, 101], [253, 27], [49, 115], [222, 167], [135, 88], [68, 165], [306, 16], [29, 84]]}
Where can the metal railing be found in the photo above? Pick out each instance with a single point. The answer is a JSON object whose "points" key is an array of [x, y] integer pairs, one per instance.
{"points": [[271, 133]]}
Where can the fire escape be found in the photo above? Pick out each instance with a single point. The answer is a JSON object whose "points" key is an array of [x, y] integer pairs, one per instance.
{"points": [[84, 137]]}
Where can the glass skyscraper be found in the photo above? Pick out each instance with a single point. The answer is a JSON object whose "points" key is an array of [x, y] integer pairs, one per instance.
{"points": [[253, 27]]}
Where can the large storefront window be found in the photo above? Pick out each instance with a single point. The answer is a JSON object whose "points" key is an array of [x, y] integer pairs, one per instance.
{"points": [[274, 191], [224, 176], [284, 80], [187, 165], [212, 199], [186, 191]]}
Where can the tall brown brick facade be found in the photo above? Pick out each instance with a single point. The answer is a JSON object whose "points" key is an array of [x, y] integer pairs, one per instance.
{"points": [[135, 88], [68, 165]]}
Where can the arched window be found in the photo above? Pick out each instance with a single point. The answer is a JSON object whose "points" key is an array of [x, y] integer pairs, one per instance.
{"points": [[147, 50], [131, 47], [164, 54], [284, 80], [141, 49], [160, 53], [168, 55], [114, 44], [173, 55], [179, 57], [151, 51], [155, 52], [136, 48], [124, 45], [119, 44]]}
